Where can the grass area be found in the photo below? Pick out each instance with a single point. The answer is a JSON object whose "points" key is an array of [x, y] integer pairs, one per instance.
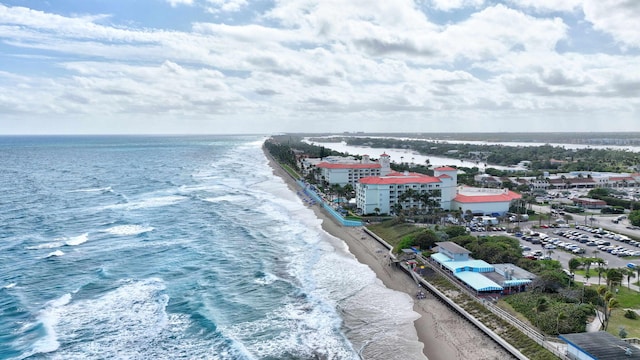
{"points": [[628, 299], [394, 233], [632, 327], [291, 171]]}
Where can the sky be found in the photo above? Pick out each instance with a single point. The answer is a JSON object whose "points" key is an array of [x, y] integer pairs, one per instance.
{"points": [[269, 66]]}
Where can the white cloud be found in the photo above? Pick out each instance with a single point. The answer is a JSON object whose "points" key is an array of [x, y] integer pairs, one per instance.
{"points": [[333, 63], [448, 5], [227, 5], [548, 5], [499, 30], [619, 18], [175, 3]]}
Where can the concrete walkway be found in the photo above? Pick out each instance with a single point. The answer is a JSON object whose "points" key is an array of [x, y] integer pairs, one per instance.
{"points": [[595, 325]]}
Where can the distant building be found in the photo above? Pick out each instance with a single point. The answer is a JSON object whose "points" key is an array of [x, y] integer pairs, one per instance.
{"points": [[589, 203]]}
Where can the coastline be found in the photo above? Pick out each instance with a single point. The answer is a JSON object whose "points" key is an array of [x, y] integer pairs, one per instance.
{"points": [[444, 334]]}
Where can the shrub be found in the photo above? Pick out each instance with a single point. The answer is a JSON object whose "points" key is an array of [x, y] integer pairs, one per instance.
{"points": [[630, 314]]}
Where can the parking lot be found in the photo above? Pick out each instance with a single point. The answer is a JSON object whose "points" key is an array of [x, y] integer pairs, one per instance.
{"points": [[617, 250], [561, 243]]}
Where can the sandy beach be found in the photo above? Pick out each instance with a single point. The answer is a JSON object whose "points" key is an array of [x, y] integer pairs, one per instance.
{"points": [[445, 335]]}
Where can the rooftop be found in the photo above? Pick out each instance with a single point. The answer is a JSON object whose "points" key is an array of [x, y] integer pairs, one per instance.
{"points": [[445, 168], [327, 165], [397, 178], [478, 281], [601, 345], [476, 195], [452, 247]]}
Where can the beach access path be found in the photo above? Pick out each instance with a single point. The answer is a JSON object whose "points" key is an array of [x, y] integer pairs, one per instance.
{"points": [[445, 334]]}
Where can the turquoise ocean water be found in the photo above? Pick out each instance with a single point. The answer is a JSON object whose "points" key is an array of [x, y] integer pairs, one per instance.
{"points": [[177, 248]]}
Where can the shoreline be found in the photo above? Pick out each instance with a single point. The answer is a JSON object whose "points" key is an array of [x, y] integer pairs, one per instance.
{"points": [[444, 334]]}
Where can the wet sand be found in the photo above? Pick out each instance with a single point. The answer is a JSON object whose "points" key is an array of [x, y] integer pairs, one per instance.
{"points": [[445, 334]]}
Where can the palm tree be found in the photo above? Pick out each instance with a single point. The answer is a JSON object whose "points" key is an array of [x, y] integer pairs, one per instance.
{"points": [[541, 306], [601, 272], [630, 274], [561, 316], [614, 276], [609, 302]]}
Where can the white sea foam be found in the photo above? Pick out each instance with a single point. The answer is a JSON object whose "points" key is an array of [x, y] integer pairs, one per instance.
{"points": [[128, 322], [151, 202], [103, 189], [229, 198], [128, 230], [49, 318], [10, 286], [77, 240], [49, 245], [55, 254], [267, 279]]}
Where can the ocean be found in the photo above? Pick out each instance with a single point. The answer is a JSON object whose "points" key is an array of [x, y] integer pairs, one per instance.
{"points": [[185, 247]]}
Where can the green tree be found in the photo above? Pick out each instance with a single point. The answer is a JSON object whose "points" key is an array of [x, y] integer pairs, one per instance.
{"points": [[634, 218], [542, 304], [560, 317], [426, 240], [614, 277], [455, 231], [608, 302], [629, 273]]}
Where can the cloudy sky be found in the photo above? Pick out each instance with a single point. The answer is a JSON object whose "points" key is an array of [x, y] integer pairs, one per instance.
{"points": [[244, 66]]}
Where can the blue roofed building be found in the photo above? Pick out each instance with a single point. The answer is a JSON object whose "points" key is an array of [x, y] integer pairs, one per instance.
{"points": [[482, 277]]}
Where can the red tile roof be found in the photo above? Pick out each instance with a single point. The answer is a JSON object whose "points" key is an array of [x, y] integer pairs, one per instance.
{"points": [[327, 165], [504, 197], [396, 178], [445, 168]]}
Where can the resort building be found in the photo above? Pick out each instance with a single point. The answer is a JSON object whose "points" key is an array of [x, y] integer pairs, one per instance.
{"points": [[382, 194], [347, 170], [478, 275]]}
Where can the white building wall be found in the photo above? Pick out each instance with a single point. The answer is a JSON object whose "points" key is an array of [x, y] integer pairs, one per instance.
{"points": [[482, 207], [576, 354], [336, 176], [370, 197]]}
